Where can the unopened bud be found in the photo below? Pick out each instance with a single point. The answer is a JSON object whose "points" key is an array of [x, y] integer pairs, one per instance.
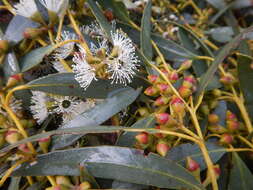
{"points": [[31, 33], [160, 101], [231, 116], [185, 92], [213, 104], [4, 46], [84, 186], [143, 111], [12, 136], [216, 92], [173, 76], [213, 118], [189, 81], [153, 79], [14, 80], [226, 139], [24, 148], [164, 88], [227, 79], [165, 119], [178, 106], [142, 138], [217, 129], [191, 164], [162, 148], [204, 109], [151, 91], [185, 65], [232, 125], [63, 180]]}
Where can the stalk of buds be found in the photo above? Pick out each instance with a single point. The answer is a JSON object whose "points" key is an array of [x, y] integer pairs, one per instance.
{"points": [[193, 167], [162, 148]]}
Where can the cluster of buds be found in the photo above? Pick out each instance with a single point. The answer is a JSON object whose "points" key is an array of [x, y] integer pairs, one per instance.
{"points": [[232, 123]]}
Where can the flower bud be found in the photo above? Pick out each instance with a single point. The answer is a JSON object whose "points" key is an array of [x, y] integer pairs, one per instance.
{"points": [[165, 119], [231, 116], [14, 80], [12, 136], [143, 111], [164, 88], [151, 91], [213, 104], [217, 129], [142, 138], [24, 148], [162, 148], [84, 186], [204, 109], [178, 106], [226, 139], [213, 118], [31, 33], [185, 65], [193, 167], [4, 46], [216, 92], [173, 76], [165, 72], [160, 101], [153, 79], [189, 81], [184, 92], [44, 144], [227, 79], [63, 180], [232, 125]]}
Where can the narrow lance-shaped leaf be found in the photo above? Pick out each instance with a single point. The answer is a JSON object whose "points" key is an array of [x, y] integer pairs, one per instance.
{"points": [[65, 84], [219, 59], [34, 57], [11, 65], [240, 176], [146, 46], [110, 162]]}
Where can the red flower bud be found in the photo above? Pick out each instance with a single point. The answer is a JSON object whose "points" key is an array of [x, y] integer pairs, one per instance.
{"points": [[160, 101], [142, 138], [12, 136], [153, 78], [227, 79], [162, 148], [164, 88], [14, 79], [162, 118], [46, 139], [177, 105], [173, 76], [185, 65], [191, 164], [213, 118], [226, 139], [24, 148], [189, 81], [231, 116], [151, 91], [185, 92], [165, 72], [232, 125]]}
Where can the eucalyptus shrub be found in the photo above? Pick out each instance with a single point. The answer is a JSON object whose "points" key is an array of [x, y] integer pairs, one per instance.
{"points": [[126, 94]]}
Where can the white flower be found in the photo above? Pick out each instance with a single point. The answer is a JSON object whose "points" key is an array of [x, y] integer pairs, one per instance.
{"points": [[84, 73], [101, 45], [57, 6], [26, 8], [38, 106], [65, 50], [59, 67], [173, 17], [122, 63], [69, 106]]}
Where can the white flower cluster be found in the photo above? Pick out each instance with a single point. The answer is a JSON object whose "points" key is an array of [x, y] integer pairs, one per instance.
{"points": [[43, 104], [118, 56]]}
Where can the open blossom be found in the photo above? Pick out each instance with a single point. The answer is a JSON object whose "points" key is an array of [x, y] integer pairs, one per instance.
{"points": [[65, 50], [84, 73], [70, 106], [26, 8], [57, 6], [122, 62], [39, 106]]}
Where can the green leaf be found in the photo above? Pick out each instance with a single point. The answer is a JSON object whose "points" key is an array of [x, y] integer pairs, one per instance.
{"points": [[34, 57], [128, 139], [99, 114], [16, 28], [219, 59], [14, 185], [218, 4], [240, 176], [11, 66], [221, 34], [179, 153], [100, 17], [245, 76], [146, 46], [110, 162], [65, 84]]}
